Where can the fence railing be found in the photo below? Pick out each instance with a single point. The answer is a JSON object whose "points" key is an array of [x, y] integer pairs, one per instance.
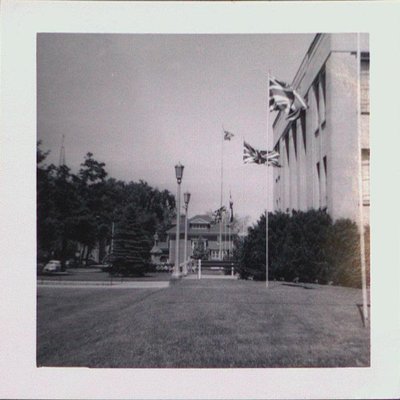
{"points": [[224, 265]]}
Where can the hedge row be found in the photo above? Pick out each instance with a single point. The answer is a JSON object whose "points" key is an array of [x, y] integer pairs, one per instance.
{"points": [[305, 247]]}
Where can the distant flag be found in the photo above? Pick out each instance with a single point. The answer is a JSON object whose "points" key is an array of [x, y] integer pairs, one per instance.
{"points": [[231, 208], [253, 156], [284, 98], [217, 214], [228, 135]]}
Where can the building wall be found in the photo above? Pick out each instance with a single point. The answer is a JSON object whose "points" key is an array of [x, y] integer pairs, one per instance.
{"points": [[343, 156], [319, 152]]}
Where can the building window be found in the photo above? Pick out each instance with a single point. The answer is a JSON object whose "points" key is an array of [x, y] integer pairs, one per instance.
{"points": [[322, 96], [317, 96], [319, 99], [287, 147], [365, 174], [196, 242], [294, 135], [199, 226], [364, 83], [303, 128], [313, 109], [214, 254], [318, 185]]}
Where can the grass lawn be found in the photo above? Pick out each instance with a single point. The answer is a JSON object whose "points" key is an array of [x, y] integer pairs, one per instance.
{"points": [[206, 323]]}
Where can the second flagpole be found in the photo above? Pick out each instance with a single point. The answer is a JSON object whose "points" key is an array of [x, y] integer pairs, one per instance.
{"points": [[221, 198]]}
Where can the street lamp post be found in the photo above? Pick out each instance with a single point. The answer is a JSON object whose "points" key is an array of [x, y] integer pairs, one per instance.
{"points": [[186, 198], [179, 174]]}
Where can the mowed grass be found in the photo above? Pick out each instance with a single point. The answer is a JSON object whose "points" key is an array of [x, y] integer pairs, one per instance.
{"points": [[206, 323]]}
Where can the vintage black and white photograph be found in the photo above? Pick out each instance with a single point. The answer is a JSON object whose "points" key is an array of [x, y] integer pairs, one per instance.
{"points": [[198, 200], [203, 200]]}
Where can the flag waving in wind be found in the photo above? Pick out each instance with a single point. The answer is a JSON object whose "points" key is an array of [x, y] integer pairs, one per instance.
{"points": [[253, 156], [284, 98], [217, 214], [231, 208], [228, 135]]}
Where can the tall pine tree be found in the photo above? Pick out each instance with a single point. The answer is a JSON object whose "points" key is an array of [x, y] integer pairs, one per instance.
{"points": [[131, 254]]}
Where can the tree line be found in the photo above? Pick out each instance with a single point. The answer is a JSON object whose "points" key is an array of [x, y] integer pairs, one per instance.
{"points": [[304, 247], [77, 212]]}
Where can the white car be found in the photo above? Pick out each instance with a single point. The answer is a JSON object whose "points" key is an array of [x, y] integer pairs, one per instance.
{"points": [[52, 266]]}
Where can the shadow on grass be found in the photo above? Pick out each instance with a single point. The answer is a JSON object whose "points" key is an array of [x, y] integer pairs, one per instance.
{"points": [[296, 285], [360, 310]]}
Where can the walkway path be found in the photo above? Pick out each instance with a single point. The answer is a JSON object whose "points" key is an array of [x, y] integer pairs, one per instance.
{"points": [[109, 285]]}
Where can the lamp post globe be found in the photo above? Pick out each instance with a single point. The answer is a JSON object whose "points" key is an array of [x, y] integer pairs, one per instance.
{"points": [[179, 174], [186, 199]]}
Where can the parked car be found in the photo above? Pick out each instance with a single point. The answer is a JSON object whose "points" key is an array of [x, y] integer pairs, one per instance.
{"points": [[52, 266]]}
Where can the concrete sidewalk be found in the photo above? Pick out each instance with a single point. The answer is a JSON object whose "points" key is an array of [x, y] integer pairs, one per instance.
{"points": [[105, 285], [206, 276]]}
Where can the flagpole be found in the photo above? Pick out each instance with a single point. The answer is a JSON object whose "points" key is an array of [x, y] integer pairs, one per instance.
{"points": [[229, 241], [223, 233], [229, 224], [266, 208], [222, 177], [360, 194]]}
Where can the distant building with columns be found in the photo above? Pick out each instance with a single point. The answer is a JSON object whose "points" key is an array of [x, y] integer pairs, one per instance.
{"points": [[319, 151], [201, 231]]}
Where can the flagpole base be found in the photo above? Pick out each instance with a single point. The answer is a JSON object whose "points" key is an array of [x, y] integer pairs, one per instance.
{"points": [[176, 276]]}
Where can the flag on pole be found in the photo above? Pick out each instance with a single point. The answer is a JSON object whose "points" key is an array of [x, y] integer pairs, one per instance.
{"points": [[228, 135], [231, 208], [283, 97], [217, 214], [253, 156]]}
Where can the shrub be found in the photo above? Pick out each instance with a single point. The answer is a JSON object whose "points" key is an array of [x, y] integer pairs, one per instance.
{"points": [[303, 246], [344, 253]]}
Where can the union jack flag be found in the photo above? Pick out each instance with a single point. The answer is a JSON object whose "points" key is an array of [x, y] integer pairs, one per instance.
{"points": [[253, 156], [217, 214], [284, 98]]}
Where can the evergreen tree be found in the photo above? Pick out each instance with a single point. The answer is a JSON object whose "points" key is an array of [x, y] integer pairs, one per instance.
{"points": [[131, 255]]}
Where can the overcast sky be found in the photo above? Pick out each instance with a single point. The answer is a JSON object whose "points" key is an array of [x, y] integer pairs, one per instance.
{"points": [[142, 103]]}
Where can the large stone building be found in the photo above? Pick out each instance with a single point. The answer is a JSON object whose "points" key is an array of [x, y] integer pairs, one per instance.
{"points": [[319, 152]]}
